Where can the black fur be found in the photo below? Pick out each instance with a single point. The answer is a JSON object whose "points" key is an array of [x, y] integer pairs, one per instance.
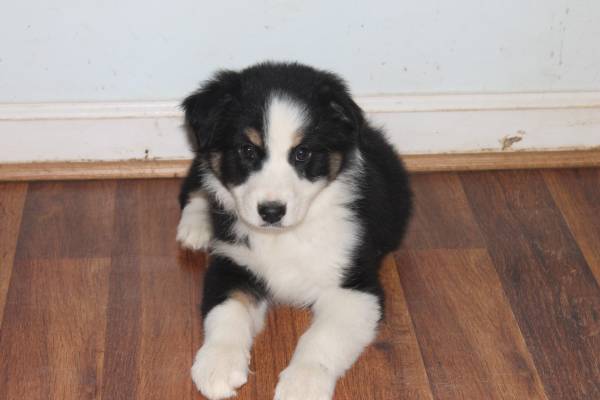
{"points": [[384, 210], [224, 276], [219, 111]]}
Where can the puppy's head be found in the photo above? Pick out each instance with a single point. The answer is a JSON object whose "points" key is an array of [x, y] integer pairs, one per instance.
{"points": [[274, 135]]}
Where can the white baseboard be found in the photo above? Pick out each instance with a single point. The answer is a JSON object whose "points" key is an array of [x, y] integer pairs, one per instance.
{"points": [[416, 124]]}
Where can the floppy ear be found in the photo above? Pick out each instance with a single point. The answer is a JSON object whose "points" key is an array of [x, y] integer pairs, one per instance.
{"points": [[339, 102], [204, 108]]}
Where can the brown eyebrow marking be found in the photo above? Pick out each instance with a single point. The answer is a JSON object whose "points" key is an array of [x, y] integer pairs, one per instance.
{"points": [[298, 136], [254, 136]]}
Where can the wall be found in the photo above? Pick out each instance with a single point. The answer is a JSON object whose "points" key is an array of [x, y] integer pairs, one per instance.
{"points": [[72, 50], [441, 76]]}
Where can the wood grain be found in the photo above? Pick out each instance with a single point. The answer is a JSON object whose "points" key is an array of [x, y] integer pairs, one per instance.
{"points": [[12, 198], [52, 340], [493, 160], [135, 169], [471, 343], [67, 220], [577, 194], [496, 300], [54, 322], [553, 294], [273, 350], [165, 356], [121, 363], [149, 327], [91, 170], [442, 215]]}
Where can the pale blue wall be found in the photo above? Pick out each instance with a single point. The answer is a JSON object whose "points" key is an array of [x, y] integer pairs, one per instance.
{"points": [[71, 50]]}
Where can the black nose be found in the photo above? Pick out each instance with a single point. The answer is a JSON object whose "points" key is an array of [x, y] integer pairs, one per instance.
{"points": [[271, 212]]}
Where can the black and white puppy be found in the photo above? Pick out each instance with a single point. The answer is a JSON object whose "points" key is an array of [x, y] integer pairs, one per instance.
{"points": [[298, 199]]}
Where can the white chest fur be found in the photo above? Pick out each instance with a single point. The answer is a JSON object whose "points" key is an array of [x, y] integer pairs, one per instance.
{"points": [[299, 263]]}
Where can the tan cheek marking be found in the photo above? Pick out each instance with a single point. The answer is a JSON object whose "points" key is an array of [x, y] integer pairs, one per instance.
{"points": [[254, 137], [215, 162], [335, 163]]}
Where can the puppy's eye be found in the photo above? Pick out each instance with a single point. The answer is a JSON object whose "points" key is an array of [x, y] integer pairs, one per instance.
{"points": [[302, 154], [248, 152]]}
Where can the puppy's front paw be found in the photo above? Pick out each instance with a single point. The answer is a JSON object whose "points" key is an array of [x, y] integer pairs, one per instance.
{"points": [[193, 233], [220, 369], [305, 382]]}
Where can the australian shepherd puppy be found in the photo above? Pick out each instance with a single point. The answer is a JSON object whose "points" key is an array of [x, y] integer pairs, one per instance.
{"points": [[298, 199]]}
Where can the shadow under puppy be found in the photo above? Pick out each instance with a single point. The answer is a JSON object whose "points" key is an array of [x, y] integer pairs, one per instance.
{"points": [[298, 199]]}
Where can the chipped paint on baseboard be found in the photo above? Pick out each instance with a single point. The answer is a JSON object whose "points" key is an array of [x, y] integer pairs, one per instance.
{"points": [[508, 140]]}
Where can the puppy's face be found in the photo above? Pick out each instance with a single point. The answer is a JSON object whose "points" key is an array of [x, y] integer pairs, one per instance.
{"points": [[274, 147]]}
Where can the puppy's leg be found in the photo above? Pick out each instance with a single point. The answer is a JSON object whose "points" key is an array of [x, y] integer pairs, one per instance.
{"points": [[194, 230], [234, 309], [345, 321]]}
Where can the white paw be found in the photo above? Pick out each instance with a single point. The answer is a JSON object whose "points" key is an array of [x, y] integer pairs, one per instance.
{"points": [[219, 369], [193, 231], [305, 382]]}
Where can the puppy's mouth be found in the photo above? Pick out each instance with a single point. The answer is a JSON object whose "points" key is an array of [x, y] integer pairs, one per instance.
{"points": [[266, 227], [274, 226]]}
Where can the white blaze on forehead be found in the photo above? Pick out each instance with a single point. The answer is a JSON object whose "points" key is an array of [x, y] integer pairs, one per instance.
{"points": [[277, 180], [284, 121]]}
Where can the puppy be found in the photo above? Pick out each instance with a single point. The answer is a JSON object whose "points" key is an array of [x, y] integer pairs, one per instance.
{"points": [[298, 199]]}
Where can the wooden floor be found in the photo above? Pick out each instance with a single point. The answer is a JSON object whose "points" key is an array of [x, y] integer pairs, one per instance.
{"points": [[494, 295]]}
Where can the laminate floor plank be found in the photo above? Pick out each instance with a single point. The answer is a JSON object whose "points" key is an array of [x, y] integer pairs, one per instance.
{"points": [[52, 340], [149, 330], [553, 294], [53, 326], [577, 194], [12, 200], [272, 351], [67, 220], [442, 217], [471, 343], [494, 294]]}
